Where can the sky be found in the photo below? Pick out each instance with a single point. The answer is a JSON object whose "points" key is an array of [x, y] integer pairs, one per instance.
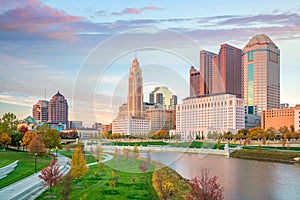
{"points": [[84, 49]]}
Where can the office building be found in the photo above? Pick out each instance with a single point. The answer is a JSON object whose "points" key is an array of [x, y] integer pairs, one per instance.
{"points": [[161, 119], [207, 68], [40, 111], [58, 109], [261, 75], [75, 124], [163, 96], [208, 114]]}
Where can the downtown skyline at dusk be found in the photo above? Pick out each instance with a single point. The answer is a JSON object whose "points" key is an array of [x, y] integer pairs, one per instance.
{"points": [[48, 46]]}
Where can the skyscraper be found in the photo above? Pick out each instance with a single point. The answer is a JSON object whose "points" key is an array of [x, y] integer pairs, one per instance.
{"points": [[135, 91], [261, 74], [58, 109], [40, 110], [219, 73], [229, 71], [163, 96], [207, 67]]}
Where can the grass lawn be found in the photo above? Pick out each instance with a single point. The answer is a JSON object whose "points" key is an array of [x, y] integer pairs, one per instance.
{"points": [[88, 157], [97, 187], [296, 149], [25, 165], [5, 161], [159, 143]]}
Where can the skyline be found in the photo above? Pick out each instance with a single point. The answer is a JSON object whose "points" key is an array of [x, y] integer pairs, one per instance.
{"points": [[45, 44]]}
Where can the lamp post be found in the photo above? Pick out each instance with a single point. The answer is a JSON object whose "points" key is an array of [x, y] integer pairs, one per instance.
{"points": [[35, 156]]}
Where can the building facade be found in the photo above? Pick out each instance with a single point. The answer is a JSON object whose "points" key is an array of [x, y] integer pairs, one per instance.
{"points": [[75, 124], [161, 119], [130, 126], [58, 109], [219, 73], [261, 75], [203, 115], [279, 117], [135, 97], [40, 111], [163, 96]]}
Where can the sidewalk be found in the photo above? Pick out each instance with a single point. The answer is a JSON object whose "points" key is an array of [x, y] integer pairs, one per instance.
{"points": [[28, 187]]}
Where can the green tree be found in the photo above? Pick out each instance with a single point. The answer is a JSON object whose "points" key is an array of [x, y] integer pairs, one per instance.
{"points": [[4, 139], [78, 164], [16, 139], [8, 123], [51, 138], [271, 133]]}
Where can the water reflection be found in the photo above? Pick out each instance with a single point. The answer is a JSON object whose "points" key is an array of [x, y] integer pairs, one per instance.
{"points": [[241, 179]]}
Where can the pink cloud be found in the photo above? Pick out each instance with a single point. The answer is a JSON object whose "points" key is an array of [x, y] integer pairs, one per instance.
{"points": [[136, 10], [34, 17]]}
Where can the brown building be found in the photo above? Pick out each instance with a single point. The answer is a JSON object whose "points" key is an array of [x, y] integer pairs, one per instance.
{"points": [[107, 128], [40, 111], [58, 109], [219, 73], [161, 119], [278, 117]]}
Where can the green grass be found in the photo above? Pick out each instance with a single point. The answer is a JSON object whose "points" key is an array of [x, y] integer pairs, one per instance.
{"points": [[88, 157], [297, 149], [273, 156], [25, 165], [4, 162], [97, 187]]}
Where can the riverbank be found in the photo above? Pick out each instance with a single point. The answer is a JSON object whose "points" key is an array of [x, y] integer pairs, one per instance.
{"points": [[266, 155]]}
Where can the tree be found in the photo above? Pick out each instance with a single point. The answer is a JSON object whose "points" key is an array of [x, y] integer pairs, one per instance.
{"points": [[78, 164], [9, 123], [51, 138], [36, 146], [23, 129], [135, 151], [16, 139], [205, 188], [98, 153], [271, 133], [283, 129], [66, 187], [256, 133], [4, 139], [51, 175], [161, 134], [27, 138]]}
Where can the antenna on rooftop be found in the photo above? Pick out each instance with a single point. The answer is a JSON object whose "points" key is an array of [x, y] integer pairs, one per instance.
{"points": [[45, 94]]}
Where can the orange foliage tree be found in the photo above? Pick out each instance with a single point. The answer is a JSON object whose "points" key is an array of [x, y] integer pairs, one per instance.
{"points": [[5, 139], [78, 164], [28, 136], [36, 146]]}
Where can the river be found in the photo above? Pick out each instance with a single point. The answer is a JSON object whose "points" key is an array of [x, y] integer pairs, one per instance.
{"points": [[241, 179]]}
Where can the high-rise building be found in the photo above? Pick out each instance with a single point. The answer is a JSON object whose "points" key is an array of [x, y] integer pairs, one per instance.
{"points": [[163, 97], [161, 119], [75, 124], [219, 73], [194, 82], [261, 74], [207, 67], [135, 91], [134, 123], [40, 111], [58, 109]]}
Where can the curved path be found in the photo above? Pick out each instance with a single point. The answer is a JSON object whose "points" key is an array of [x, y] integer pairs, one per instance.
{"points": [[30, 187]]}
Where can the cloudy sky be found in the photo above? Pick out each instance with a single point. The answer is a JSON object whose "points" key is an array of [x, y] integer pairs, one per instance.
{"points": [[84, 49]]}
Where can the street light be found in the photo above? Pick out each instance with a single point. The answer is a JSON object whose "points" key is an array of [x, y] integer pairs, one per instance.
{"points": [[35, 156]]}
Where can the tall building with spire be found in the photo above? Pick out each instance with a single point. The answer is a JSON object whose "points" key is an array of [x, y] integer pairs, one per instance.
{"points": [[135, 91], [58, 109], [261, 74], [40, 111]]}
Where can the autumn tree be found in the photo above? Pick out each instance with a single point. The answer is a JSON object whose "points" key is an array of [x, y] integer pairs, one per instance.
{"points": [[51, 175], [65, 187], [161, 134], [36, 146], [78, 164], [4, 139], [205, 188], [27, 138], [135, 151], [23, 129]]}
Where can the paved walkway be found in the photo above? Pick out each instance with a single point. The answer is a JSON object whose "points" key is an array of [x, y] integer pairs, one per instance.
{"points": [[30, 187], [106, 156]]}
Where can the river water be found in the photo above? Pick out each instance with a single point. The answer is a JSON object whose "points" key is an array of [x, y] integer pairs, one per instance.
{"points": [[241, 179]]}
